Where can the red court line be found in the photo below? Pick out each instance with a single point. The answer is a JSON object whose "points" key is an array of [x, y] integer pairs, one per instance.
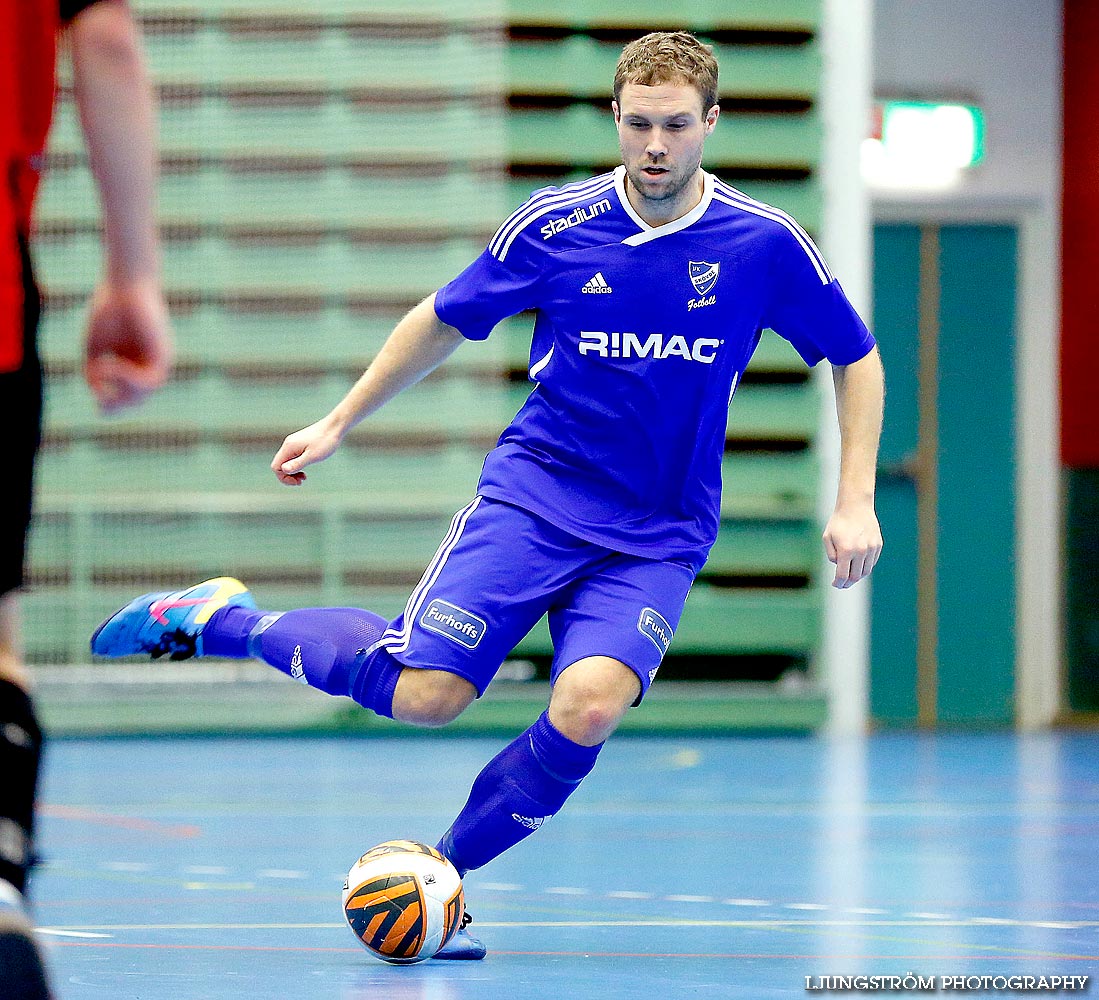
{"points": [[817, 956], [195, 947], [184, 831], [591, 954], [186, 897]]}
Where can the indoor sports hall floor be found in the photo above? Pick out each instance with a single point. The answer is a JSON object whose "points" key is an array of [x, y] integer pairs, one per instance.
{"points": [[211, 868]]}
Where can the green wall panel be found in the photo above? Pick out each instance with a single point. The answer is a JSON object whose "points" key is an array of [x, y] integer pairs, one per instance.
{"points": [[977, 475], [1082, 588], [975, 565], [893, 586]]}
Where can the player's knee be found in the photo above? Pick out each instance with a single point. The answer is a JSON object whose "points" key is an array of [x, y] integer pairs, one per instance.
{"points": [[590, 699], [588, 724], [13, 670], [12, 667], [431, 698]]}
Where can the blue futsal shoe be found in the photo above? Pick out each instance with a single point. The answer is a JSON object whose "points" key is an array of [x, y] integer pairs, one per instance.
{"points": [[22, 971], [170, 623], [463, 947]]}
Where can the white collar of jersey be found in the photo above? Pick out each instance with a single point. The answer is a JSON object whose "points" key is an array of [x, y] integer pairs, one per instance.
{"points": [[655, 232]]}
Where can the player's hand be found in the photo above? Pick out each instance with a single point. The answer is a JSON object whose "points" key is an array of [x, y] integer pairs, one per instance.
{"points": [[127, 344], [853, 542], [311, 444]]}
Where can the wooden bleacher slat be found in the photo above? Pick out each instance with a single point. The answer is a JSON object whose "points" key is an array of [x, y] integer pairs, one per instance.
{"points": [[583, 67], [789, 15], [780, 141]]}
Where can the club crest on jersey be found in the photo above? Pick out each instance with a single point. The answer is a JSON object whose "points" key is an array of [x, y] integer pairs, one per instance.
{"points": [[703, 275], [454, 622]]}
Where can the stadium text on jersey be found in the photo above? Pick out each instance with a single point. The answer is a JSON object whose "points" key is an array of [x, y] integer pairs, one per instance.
{"points": [[574, 218]]}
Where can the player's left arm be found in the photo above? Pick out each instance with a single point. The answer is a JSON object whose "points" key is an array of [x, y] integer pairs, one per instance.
{"points": [[852, 537], [128, 341]]}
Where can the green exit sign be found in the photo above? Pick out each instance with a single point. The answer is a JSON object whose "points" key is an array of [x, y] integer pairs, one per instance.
{"points": [[949, 134], [922, 145]]}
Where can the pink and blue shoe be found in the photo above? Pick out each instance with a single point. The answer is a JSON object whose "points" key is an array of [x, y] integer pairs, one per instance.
{"points": [[169, 623]]}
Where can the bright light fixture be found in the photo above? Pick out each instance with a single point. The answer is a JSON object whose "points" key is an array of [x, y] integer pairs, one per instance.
{"points": [[922, 145]]}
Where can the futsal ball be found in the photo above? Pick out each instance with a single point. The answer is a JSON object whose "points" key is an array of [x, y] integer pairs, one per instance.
{"points": [[403, 900]]}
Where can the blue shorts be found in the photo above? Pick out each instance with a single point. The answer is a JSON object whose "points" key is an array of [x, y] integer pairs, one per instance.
{"points": [[501, 568]]}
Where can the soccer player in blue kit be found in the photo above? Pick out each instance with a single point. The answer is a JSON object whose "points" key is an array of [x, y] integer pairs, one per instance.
{"points": [[598, 506]]}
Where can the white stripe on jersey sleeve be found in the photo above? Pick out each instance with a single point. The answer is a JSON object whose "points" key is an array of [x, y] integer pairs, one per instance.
{"points": [[569, 190], [537, 369], [543, 206], [737, 199]]}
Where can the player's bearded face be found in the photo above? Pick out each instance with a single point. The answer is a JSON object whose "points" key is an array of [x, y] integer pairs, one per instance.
{"points": [[661, 132]]}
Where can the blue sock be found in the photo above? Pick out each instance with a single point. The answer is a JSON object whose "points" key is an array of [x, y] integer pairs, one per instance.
{"points": [[322, 647], [518, 790]]}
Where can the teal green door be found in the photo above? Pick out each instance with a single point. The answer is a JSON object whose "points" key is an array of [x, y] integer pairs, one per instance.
{"points": [[943, 611]]}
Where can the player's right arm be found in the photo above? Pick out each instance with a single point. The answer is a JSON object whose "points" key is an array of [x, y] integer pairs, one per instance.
{"points": [[417, 346], [128, 339], [499, 283]]}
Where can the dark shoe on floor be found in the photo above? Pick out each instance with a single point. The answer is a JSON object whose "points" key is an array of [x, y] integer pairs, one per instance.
{"points": [[22, 971], [463, 947]]}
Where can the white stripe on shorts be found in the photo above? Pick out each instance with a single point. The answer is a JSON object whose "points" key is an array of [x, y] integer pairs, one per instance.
{"points": [[396, 641]]}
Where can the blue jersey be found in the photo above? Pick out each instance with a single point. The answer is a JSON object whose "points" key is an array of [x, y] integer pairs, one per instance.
{"points": [[641, 336]]}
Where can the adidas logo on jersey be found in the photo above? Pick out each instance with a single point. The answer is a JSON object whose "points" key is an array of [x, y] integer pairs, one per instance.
{"points": [[597, 286]]}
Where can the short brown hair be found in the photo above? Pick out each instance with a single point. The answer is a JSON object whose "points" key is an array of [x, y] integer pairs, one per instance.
{"points": [[675, 57]]}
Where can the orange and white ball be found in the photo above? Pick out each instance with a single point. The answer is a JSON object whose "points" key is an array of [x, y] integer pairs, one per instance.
{"points": [[403, 900]]}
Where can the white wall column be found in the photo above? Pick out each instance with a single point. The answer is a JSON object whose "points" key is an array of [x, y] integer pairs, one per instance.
{"points": [[845, 100]]}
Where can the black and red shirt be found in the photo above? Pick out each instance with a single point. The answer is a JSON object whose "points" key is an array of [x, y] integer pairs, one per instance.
{"points": [[28, 49]]}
